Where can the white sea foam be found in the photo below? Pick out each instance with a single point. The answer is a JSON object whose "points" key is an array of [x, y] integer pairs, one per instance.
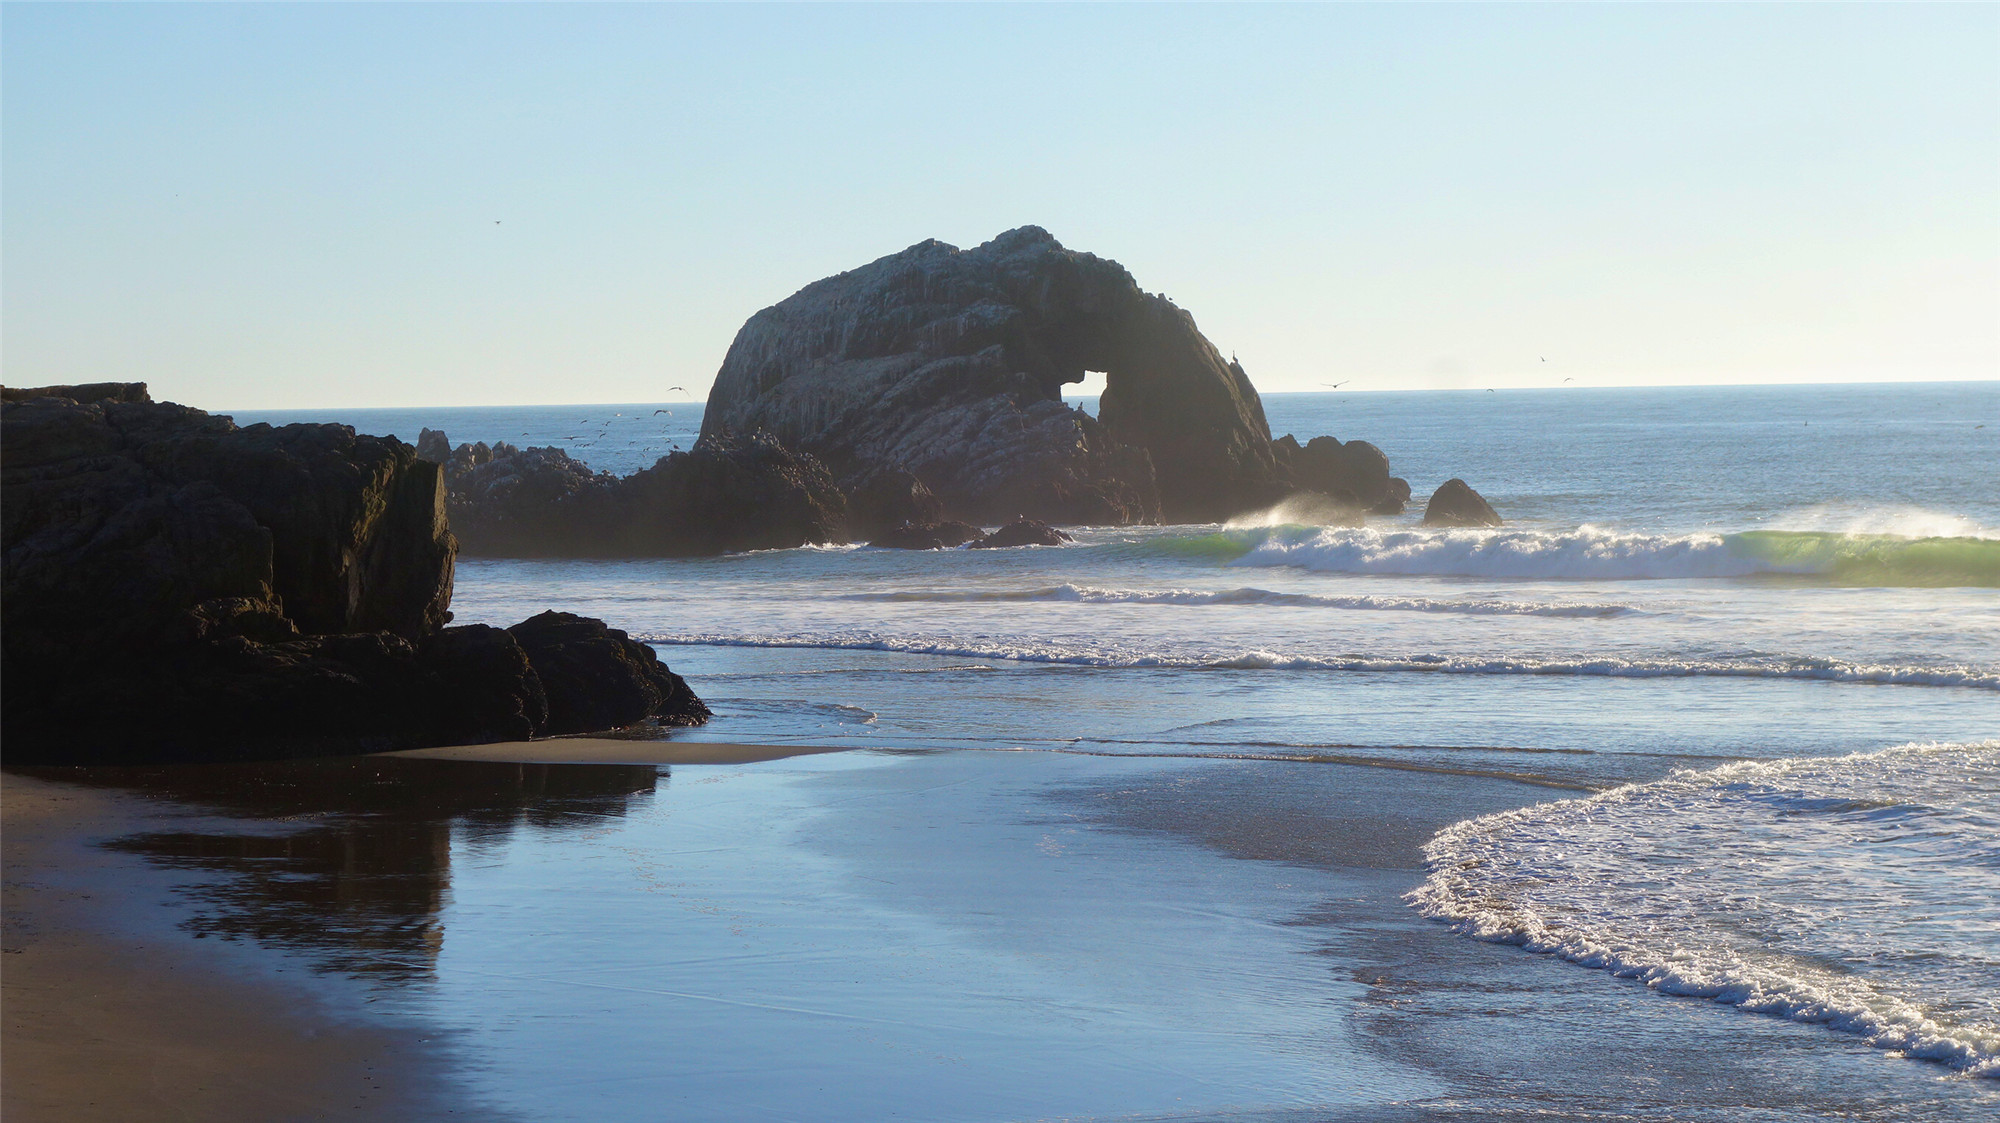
{"points": [[1587, 553], [1084, 594], [1594, 553], [1900, 522], [1078, 654], [1862, 892]]}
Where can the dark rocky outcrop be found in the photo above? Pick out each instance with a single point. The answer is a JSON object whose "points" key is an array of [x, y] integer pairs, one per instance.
{"points": [[597, 677], [949, 365], [122, 518], [1454, 503], [82, 392], [889, 500], [178, 588], [1398, 499], [432, 446], [1022, 532], [494, 692], [928, 536], [1355, 472], [726, 494]]}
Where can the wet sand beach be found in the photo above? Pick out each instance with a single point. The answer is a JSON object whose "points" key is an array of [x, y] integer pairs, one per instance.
{"points": [[832, 936], [111, 1016]]}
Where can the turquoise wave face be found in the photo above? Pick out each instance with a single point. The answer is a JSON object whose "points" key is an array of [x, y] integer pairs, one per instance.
{"points": [[1873, 559], [1219, 546]]}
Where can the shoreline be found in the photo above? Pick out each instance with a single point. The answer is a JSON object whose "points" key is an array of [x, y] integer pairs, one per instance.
{"points": [[616, 750], [109, 1018]]}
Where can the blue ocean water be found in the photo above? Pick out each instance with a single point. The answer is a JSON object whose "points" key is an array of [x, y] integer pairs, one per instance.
{"points": [[1715, 615]]}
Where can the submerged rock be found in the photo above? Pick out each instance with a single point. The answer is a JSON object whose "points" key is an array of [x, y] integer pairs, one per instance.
{"points": [[949, 364], [177, 588], [929, 536], [1454, 503], [1022, 532]]}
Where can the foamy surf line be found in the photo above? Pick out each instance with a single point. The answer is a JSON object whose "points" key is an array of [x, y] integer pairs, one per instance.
{"points": [[1725, 884], [1084, 594], [1592, 553], [1822, 670]]}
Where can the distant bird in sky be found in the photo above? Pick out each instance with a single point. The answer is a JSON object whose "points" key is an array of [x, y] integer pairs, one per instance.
{"points": [[1489, 389], [658, 412], [1545, 358], [682, 389], [1569, 380], [1337, 385]]}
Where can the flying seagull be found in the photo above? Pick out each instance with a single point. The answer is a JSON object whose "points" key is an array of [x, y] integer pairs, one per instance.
{"points": [[1567, 379], [682, 389], [658, 412], [1545, 358], [1337, 385]]}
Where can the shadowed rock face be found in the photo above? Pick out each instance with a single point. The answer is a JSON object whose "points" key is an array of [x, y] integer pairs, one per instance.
{"points": [[949, 364], [122, 516], [176, 588]]}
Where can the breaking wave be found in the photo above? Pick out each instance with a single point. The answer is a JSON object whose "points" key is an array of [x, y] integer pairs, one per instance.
{"points": [[1083, 594], [1592, 553], [1860, 892], [1038, 651]]}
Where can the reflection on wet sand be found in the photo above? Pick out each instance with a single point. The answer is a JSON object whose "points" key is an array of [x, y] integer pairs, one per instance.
{"points": [[348, 860]]}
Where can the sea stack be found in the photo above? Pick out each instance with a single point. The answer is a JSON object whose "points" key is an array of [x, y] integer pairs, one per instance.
{"points": [[949, 364]]}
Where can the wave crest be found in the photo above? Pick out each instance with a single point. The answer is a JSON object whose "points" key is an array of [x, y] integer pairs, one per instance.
{"points": [[1084, 594], [1039, 651]]}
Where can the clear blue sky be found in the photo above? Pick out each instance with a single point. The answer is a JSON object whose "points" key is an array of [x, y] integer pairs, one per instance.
{"points": [[292, 206]]}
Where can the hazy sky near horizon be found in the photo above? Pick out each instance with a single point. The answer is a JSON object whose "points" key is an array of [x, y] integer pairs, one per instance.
{"points": [[289, 206]]}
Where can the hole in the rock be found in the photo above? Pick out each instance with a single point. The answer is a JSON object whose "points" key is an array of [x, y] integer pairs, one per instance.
{"points": [[1084, 394]]}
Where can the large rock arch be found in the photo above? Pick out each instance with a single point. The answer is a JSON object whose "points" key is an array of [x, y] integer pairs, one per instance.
{"points": [[949, 364]]}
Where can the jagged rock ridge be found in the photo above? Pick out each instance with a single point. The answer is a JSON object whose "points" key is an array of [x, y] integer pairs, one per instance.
{"points": [[726, 494]]}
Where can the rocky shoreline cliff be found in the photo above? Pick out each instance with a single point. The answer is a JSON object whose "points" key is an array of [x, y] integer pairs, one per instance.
{"points": [[176, 587]]}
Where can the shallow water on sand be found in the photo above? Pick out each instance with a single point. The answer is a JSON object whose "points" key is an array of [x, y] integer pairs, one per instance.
{"points": [[951, 935]]}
